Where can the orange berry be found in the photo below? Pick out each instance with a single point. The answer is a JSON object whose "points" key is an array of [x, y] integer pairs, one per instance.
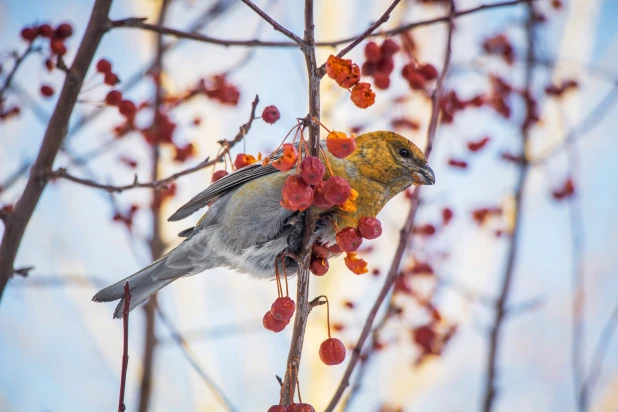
{"points": [[340, 145]]}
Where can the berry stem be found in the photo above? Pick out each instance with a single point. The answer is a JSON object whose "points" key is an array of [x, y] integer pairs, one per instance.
{"points": [[300, 400], [283, 141], [279, 289], [315, 119], [330, 170], [327, 313], [285, 276]]}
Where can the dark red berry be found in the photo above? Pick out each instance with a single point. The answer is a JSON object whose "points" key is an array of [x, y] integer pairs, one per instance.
{"points": [[283, 309], [373, 53], [104, 66], [127, 108], [111, 79], [218, 175], [349, 239], [273, 324], [29, 33], [47, 90], [332, 351], [389, 48], [312, 170], [369, 227], [318, 266], [271, 114], [45, 30], [64, 30], [57, 47], [113, 98], [337, 190]]}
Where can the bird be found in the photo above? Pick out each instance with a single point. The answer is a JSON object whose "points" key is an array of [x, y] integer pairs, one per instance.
{"points": [[246, 229]]}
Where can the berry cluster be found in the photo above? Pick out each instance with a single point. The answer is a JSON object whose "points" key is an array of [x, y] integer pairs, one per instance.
{"points": [[379, 62], [347, 75], [218, 88], [56, 37]]}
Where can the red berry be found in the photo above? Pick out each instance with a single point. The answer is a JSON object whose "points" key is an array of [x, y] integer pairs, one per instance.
{"points": [[218, 175], [334, 248], [271, 114], [288, 158], [57, 46], [381, 81], [447, 215], [104, 66], [389, 48], [283, 309], [296, 194], [29, 33], [276, 408], [369, 227], [416, 80], [47, 90], [312, 170], [243, 160], [113, 98], [49, 65], [273, 324], [337, 190], [127, 108], [299, 407], [332, 351], [340, 145], [349, 239], [320, 251], [318, 197], [373, 53], [428, 71], [368, 69], [45, 30], [64, 30], [318, 266], [386, 65], [111, 79]]}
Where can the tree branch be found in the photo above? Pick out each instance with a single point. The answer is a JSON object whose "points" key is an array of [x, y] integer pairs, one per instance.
{"points": [[162, 183], [273, 23], [302, 291], [55, 133], [406, 230], [19, 59], [125, 346], [507, 280], [383, 19], [188, 354]]}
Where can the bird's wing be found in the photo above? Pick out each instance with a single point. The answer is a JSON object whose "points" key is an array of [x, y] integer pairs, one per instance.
{"points": [[221, 186]]}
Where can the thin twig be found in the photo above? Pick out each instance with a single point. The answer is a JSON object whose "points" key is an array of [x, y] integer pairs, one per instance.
{"points": [[594, 117], [605, 338], [278, 27], [383, 19], [405, 231], [19, 59], [489, 391], [162, 183], [188, 354], [125, 346]]}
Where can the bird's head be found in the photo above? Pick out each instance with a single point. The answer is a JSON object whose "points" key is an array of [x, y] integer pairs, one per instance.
{"points": [[391, 159]]}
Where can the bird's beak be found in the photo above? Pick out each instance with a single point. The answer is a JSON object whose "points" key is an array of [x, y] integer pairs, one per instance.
{"points": [[424, 176]]}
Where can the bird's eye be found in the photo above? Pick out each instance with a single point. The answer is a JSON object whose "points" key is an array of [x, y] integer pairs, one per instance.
{"points": [[404, 152]]}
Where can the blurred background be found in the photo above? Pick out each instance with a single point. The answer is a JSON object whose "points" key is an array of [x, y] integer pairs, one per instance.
{"points": [[61, 352]]}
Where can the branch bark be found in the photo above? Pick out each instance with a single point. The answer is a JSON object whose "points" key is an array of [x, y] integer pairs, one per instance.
{"points": [[54, 135], [302, 290]]}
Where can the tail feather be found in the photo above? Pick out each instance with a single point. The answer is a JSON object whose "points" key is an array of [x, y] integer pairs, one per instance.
{"points": [[141, 284]]}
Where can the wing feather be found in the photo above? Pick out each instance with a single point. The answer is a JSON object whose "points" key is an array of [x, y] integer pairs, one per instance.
{"points": [[221, 186]]}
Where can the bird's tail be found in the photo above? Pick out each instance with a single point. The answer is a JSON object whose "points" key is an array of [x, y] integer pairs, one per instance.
{"points": [[142, 285]]}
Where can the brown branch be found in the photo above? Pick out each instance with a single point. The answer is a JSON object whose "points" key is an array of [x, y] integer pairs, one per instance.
{"points": [[55, 133], [406, 230], [125, 346], [157, 246], [136, 22], [19, 59], [273, 23], [302, 290], [507, 280], [383, 19], [188, 354], [162, 183]]}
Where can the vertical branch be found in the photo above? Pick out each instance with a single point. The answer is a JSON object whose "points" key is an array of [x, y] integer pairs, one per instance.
{"points": [[406, 230], [156, 243], [15, 224], [302, 290], [507, 280], [125, 346]]}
